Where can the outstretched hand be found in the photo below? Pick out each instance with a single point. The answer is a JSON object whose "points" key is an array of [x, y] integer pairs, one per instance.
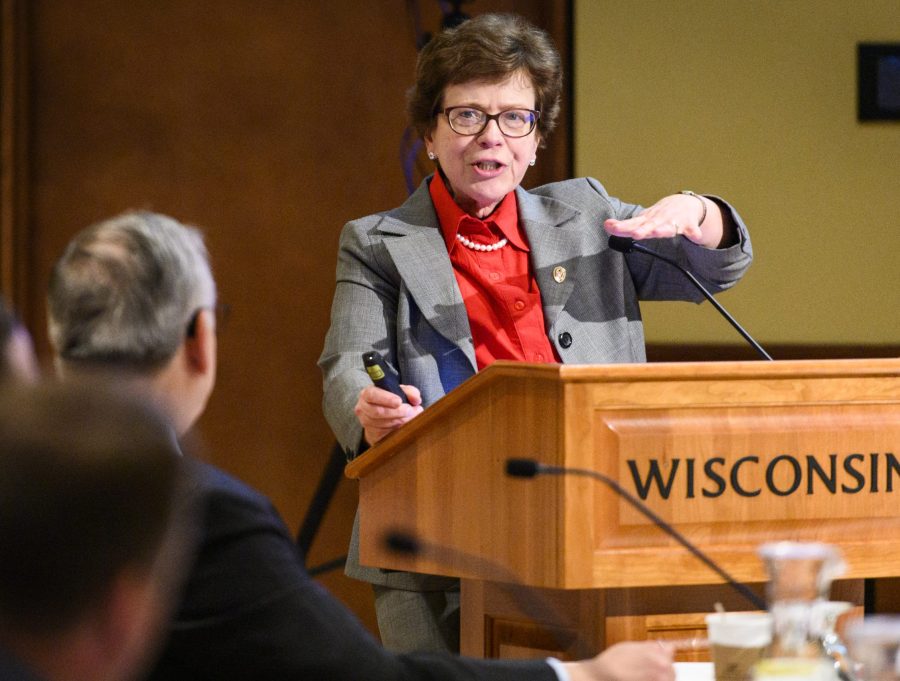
{"points": [[675, 215]]}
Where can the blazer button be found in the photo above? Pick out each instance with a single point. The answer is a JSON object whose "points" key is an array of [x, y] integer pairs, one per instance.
{"points": [[565, 339]]}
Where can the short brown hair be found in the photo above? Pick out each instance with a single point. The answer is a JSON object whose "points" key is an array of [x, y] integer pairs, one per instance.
{"points": [[488, 47]]}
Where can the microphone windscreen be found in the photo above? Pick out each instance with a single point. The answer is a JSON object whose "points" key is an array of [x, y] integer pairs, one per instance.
{"points": [[622, 244], [402, 542], [522, 468]]}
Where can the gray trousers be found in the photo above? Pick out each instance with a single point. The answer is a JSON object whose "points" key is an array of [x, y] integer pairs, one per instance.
{"points": [[418, 620]]}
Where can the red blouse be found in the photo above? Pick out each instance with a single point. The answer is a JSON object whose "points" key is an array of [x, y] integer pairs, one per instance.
{"points": [[498, 287]]}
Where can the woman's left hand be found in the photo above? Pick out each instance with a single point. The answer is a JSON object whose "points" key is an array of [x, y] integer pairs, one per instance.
{"points": [[674, 215]]}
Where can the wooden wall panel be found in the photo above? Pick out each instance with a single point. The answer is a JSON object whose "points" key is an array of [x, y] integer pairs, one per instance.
{"points": [[14, 254], [268, 124]]}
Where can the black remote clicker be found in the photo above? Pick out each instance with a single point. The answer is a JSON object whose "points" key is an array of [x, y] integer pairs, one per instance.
{"points": [[382, 375]]}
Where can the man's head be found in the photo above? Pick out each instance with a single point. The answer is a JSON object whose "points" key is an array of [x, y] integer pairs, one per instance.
{"points": [[92, 528], [134, 296]]}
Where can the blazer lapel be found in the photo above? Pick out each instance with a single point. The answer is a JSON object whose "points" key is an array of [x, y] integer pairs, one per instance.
{"points": [[556, 248], [421, 259]]}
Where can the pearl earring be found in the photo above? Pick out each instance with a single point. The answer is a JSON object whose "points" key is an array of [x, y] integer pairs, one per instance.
{"points": [[432, 155], [532, 161]]}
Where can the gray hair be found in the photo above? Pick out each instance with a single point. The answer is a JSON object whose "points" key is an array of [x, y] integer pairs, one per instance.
{"points": [[125, 290]]}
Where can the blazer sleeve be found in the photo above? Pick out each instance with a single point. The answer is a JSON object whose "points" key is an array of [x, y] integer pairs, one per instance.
{"points": [[716, 268], [250, 611], [363, 318]]}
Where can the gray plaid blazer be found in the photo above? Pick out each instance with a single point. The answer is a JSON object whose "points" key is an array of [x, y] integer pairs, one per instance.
{"points": [[396, 293]]}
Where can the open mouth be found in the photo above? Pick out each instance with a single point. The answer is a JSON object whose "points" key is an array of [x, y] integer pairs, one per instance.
{"points": [[488, 166]]}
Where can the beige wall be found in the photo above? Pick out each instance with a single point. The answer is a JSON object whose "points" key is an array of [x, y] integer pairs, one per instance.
{"points": [[755, 101]]}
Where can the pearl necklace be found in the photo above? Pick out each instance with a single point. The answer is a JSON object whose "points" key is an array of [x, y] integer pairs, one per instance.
{"points": [[468, 243]]}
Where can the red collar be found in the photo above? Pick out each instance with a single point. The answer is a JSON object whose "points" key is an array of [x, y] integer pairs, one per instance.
{"points": [[453, 219]]}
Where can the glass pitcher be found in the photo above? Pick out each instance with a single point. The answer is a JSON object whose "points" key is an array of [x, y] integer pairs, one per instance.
{"points": [[800, 577], [824, 621]]}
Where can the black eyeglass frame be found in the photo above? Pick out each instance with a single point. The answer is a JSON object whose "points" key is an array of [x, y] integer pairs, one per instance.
{"points": [[535, 115]]}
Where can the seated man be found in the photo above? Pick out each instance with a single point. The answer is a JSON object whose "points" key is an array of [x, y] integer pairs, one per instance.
{"points": [[133, 298], [91, 530]]}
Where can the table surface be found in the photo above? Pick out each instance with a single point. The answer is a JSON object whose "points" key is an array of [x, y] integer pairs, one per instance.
{"points": [[694, 671]]}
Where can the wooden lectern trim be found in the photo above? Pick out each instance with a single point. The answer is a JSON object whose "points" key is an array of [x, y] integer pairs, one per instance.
{"points": [[808, 436], [563, 374]]}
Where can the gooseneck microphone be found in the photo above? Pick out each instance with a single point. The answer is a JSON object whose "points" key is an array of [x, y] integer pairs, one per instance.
{"points": [[529, 468], [531, 602], [625, 244]]}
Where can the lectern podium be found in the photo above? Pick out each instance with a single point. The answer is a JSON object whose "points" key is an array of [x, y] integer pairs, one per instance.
{"points": [[733, 454]]}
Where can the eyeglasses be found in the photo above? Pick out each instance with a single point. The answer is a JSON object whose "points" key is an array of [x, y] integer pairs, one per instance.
{"points": [[467, 120], [221, 312]]}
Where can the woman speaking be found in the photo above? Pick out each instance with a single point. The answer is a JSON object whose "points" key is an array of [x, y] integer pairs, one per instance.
{"points": [[473, 268]]}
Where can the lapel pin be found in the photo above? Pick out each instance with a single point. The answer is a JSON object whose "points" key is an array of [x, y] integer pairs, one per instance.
{"points": [[559, 274]]}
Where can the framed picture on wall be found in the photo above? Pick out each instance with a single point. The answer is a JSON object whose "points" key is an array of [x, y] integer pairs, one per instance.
{"points": [[879, 81]]}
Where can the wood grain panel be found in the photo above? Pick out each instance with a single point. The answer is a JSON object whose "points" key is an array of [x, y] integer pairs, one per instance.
{"points": [[453, 468], [507, 620], [15, 262], [648, 412], [586, 552]]}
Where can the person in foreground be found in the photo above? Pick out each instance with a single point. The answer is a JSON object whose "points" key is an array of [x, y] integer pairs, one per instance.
{"points": [[92, 531], [133, 298], [473, 268]]}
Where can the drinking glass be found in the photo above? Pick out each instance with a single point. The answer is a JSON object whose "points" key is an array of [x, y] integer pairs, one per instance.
{"points": [[874, 646]]}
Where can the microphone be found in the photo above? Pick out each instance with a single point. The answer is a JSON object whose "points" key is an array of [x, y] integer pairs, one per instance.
{"points": [[531, 602], [625, 244], [401, 542], [529, 468]]}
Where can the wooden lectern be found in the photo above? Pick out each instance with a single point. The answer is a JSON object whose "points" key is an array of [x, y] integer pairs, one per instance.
{"points": [[733, 454]]}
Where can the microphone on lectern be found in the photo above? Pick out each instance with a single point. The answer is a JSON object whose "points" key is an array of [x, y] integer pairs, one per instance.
{"points": [[625, 244], [529, 468]]}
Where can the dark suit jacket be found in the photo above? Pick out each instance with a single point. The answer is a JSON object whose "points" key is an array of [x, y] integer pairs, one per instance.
{"points": [[250, 610]]}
